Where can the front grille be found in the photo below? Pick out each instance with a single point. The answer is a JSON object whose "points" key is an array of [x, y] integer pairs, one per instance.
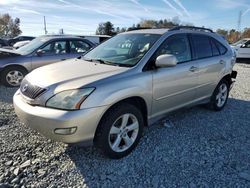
{"points": [[31, 91]]}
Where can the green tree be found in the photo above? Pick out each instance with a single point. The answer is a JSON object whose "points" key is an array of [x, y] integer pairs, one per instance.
{"points": [[105, 28], [9, 27]]}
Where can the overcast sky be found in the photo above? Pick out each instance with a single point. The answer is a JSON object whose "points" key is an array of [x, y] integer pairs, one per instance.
{"points": [[83, 16]]}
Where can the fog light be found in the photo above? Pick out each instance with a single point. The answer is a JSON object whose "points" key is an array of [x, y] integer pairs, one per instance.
{"points": [[65, 131]]}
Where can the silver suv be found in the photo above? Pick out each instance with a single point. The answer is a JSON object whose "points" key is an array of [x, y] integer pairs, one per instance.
{"points": [[108, 95]]}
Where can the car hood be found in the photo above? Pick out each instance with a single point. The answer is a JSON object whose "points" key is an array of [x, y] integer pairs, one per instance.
{"points": [[4, 53], [70, 74]]}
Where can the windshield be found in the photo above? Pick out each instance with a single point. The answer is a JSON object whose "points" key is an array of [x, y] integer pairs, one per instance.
{"points": [[31, 46], [123, 49], [240, 42]]}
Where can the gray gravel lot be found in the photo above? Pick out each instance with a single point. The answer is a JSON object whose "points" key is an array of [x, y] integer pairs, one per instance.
{"points": [[202, 149]]}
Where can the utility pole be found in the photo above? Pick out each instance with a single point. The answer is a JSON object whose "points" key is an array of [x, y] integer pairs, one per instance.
{"points": [[61, 31], [239, 23], [44, 22]]}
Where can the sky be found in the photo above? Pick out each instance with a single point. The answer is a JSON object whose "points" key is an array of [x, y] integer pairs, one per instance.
{"points": [[83, 16]]}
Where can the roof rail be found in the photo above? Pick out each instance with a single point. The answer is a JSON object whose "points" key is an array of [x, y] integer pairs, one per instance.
{"points": [[191, 28]]}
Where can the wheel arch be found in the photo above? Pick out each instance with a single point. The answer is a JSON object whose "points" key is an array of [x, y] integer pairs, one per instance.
{"points": [[228, 78], [6, 69], [14, 65], [137, 101]]}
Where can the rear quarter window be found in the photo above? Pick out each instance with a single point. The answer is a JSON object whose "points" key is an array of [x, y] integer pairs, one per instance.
{"points": [[221, 48]]}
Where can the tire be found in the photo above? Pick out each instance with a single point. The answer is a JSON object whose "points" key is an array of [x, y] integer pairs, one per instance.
{"points": [[17, 74], [219, 95], [113, 136]]}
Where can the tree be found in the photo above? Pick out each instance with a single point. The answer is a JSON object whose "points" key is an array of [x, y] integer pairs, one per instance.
{"points": [[123, 29], [105, 28], [233, 36], [9, 27], [176, 20], [222, 32], [148, 24], [118, 30], [246, 33]]}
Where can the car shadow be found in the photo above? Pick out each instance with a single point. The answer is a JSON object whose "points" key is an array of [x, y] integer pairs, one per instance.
{"points": [[7, 93], [179, 152], [243, 60]]}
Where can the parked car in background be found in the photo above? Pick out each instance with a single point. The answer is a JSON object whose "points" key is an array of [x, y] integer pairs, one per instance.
{"points": [[96, 39], [44, 50], [242, 48], [12, 41], [20, 44], [108, 95], [3, 43]]}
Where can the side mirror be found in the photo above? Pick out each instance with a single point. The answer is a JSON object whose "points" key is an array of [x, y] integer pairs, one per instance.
{"points": [[166, 60], [39, 52]]}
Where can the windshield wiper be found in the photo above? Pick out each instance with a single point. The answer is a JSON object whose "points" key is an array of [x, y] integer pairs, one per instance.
{"points": [[101, 61], [112, 63]]}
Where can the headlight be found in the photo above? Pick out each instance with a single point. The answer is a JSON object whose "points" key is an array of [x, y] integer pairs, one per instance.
{"points": [[70, 99]]}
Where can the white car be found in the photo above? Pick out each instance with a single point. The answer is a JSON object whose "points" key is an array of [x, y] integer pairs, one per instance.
{"points": [[20, 44], [242, 48]]}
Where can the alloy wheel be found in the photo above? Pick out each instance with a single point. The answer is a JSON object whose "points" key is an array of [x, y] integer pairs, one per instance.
{"points": [[221, 97], [14, 78], [123, 132]]}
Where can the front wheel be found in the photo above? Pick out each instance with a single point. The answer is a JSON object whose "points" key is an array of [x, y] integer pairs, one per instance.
{"points": [[13, 76], [220, 96], [119, 131]]}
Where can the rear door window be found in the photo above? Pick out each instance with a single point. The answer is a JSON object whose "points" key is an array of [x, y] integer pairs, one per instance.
{"points": [[202, 46], [215, 49], [78, 46]]}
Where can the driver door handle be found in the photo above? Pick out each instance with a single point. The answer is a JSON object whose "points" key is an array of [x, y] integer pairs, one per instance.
{"points": [[63, 59], [193, 69]]}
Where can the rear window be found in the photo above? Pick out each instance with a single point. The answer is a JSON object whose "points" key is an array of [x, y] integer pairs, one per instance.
{"points": [[202, 46]]}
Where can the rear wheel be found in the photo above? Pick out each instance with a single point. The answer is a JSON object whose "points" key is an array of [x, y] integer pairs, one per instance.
{"points": [[120, 131], [220, 96], [13, 76]]}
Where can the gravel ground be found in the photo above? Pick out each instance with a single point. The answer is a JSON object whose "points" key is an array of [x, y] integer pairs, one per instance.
{"points": [[201, 149]]}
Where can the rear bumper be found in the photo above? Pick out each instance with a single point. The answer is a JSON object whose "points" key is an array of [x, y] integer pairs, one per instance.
{"points": [[47, 120]]}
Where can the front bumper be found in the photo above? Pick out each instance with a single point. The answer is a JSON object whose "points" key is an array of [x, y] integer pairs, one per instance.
{"points": [[47, 120]]}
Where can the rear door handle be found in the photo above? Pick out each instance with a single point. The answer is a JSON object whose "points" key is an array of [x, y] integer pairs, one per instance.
{"points": [[193, 69], [63, 59]]}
